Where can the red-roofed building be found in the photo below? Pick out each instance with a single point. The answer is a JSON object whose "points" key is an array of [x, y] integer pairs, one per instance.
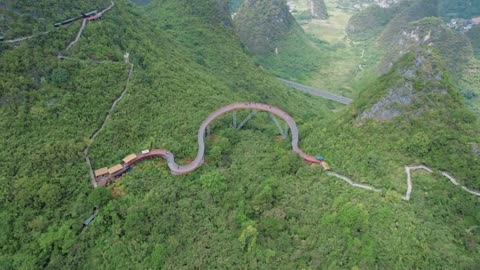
{"points": [[476, 20]]}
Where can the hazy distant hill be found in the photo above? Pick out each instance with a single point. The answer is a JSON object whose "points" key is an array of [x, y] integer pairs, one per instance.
{"points": [[318, 9], [261, 24], [432, 33], [411, 26]]}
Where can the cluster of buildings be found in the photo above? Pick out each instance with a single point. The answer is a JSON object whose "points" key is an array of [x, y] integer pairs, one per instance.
{"points": [[117, 170]]}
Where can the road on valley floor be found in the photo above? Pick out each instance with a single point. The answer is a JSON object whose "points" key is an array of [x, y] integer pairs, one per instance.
{"points": [[316, 92]]}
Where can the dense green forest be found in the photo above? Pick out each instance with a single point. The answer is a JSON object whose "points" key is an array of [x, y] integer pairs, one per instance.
{"points": [[253, 204]]}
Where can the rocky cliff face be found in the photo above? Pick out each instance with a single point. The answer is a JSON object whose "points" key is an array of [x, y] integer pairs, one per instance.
{"points": [[416, 85], [318, 9], [261, 23]]}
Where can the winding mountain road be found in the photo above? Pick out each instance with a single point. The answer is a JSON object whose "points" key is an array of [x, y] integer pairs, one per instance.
{"points": [[177, 169], [316, 92]]}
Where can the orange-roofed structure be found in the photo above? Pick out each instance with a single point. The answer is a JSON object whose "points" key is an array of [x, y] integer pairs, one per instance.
{"points": [[129, 158], [115, 169], [101, 172]]}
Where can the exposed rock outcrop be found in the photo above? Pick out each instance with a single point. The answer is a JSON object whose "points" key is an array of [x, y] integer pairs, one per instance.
{"points": [[415, 83], [390, 105], [476, 149], [452, 46]]}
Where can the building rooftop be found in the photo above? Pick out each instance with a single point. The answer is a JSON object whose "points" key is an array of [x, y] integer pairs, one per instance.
{"points": [[101, 172], [325, 166], [115, 169], [476, 20], [129, 158]]}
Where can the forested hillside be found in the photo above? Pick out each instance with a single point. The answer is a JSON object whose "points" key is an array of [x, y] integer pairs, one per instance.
{"points": [[272, 35], [50, 108], [29, 17], [253, 204]]}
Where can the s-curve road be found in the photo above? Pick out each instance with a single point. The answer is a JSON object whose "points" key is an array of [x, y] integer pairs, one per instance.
{"points": [[177, 169]]}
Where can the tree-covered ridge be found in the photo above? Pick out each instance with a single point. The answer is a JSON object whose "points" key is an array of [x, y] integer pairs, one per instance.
{"points": [[261, 24], [414, 25], [454, 47], [419, 96], [271, 34], [370, 22], [50, 108], [253, 204]]}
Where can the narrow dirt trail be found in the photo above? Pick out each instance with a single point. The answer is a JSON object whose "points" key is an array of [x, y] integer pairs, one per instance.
{"points": [[429, 170], [104, 124], [408, 171], [60, 56], [353, 183], [79, 34], [26, 37]]}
